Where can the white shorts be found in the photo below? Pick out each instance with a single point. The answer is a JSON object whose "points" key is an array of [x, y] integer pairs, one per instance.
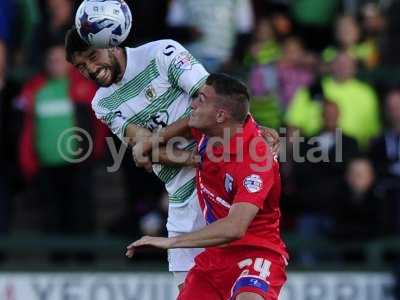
{"points": [[179, 278], [182, 259], [187, 217], [184, 219]]}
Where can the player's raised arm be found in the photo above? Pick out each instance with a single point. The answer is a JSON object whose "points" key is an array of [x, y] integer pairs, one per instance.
{"points": [[223, 231]]}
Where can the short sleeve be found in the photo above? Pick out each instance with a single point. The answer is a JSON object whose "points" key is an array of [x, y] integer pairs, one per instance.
{"points": [[113, 119], [180, 67], [255, 177]]}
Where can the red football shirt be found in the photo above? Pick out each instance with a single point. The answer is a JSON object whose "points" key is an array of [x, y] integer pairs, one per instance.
{"points": [[241, 170]]}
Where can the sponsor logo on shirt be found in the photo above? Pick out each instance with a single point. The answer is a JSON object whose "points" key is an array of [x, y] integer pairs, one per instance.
{"points": [[253, 183], [118, 114], [211, 197], [183, 61], [228, 183], [158, 120]]}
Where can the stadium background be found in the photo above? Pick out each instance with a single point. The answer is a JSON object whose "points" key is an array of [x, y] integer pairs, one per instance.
{"points": [[312, 66]]}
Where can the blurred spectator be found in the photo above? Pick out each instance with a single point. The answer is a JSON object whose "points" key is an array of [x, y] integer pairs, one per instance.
{"points": [[264, 48], [391, 37], [293, 70], [357, 204], [325, 155], [348, 39], [55, 102], [313, 19], [55, 20], [214, 25], [385, 154], [356, 100], [385, 150], [277, 12], [374, 22], [22, 57], [282, 24]]}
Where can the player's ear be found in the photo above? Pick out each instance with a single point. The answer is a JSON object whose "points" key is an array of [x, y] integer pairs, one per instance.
{"points": [[221, 116], [112, 50]]}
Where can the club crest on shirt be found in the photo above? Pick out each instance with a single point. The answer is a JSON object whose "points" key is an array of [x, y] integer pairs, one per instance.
{"points": [[150, 93], [253, 183], [228, 183], [182, 61]]}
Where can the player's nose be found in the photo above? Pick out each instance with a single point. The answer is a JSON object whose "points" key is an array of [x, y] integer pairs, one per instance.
{"points": [[195, 103]]}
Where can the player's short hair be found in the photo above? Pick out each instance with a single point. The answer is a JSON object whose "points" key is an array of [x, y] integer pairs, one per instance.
{"points": [[74, 44], [234, 95]]}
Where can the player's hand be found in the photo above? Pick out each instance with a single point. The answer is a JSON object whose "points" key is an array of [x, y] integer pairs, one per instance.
{"points": [[272, 138], [158, 242], [141, 158]]}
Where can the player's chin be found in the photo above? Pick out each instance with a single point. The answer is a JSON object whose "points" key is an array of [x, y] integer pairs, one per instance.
{"points": [[104, 83], [192, 122]]}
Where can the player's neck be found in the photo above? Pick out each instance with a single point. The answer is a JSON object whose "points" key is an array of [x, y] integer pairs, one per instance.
{"points": [[225, 130]]}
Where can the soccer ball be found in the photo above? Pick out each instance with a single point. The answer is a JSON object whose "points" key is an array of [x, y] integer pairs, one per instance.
{"points": [[103, 23]]}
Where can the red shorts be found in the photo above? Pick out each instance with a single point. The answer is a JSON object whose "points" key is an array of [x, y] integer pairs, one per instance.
{"points": [[223, 273]]}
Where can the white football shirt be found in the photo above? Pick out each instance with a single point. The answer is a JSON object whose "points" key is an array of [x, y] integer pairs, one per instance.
{"points": [[155, 91]]}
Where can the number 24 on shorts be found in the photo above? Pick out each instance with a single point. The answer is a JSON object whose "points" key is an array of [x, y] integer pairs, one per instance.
{"points": [[261, 265]]}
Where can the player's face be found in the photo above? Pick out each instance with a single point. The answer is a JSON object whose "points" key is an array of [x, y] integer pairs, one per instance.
{"points": [[204, 110], [99, 65]]}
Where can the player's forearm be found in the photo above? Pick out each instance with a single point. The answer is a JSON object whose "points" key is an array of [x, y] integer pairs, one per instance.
{"points": [[179, 128], [218, 233], [175, 157], [149, 140], [201, 243], [135, 134]]}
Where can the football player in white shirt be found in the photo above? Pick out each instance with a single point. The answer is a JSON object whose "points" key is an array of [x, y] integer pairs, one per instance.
{"points": [[150, 86]]}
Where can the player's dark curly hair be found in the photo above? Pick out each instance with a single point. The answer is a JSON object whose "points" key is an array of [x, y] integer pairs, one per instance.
{"points": [[235, 95], [74, 43]]}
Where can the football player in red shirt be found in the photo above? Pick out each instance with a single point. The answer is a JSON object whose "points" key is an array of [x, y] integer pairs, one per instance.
{"points": [[238, 186]]}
